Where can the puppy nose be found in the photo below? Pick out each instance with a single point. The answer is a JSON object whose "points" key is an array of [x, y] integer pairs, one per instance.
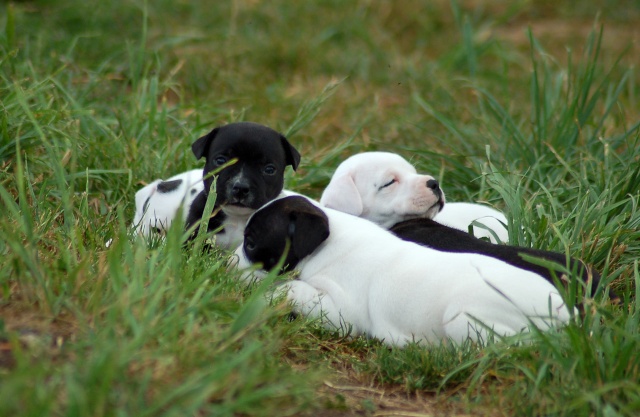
{"points": [[240, 189], [433, 184]]}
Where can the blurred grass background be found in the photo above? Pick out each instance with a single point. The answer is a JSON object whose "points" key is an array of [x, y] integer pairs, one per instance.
{"points": [[530, 106]]}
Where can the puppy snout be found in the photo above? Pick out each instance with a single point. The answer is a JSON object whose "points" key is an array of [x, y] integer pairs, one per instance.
{"points": [[240, 189], [434, 186]]}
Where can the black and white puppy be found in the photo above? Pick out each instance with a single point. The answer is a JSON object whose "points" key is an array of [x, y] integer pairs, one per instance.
{"points": [[353, 272], [384, 188], [258, 156], [158, 203]]}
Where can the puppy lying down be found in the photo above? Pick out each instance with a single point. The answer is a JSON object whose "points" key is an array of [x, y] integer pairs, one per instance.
{"points": [[386, 189], [355, 188], [249, 161], [158, 203], [353, 272]]}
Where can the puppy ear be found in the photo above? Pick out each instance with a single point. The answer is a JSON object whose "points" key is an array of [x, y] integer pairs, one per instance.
{"points": [[201, 146], [293, 156], [307, 230], [342, 194]]}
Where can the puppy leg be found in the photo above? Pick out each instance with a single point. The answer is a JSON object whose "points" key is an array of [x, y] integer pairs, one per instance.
{"points": [[480, 322], [312, 302], [462, 326]]}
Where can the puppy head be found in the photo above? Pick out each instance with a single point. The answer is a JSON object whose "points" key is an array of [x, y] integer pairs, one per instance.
{"points": [[257, 176], [384, 188], [291, 219]]}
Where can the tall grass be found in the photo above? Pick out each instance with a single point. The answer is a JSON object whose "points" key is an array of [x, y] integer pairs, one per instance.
{"points": [[130, 328], [95, 104]]}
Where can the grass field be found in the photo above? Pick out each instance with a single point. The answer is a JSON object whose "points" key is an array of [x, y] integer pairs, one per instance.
{"points": [[530, 106]]}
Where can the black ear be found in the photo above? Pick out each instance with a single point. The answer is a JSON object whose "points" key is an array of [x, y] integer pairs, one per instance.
{"points": [[201, 146], [293, 156], [307, 230]]}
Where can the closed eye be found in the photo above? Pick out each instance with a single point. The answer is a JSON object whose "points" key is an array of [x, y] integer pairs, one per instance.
{"points": [[388, 184]]}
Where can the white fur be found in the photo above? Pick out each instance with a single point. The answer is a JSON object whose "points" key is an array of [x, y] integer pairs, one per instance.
{"points": [[384, 287], [354, 189], [162, 208], [461, 215]]}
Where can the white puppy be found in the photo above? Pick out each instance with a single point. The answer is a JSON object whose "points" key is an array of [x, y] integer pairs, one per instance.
{"points": [[386, 189], [353, 272], [157, 203]]}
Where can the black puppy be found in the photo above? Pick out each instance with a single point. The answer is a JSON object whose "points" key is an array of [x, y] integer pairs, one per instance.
{"points": [[258, 157], [430, 233]]}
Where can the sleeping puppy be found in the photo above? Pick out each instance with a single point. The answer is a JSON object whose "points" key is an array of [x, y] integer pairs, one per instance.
{"points": [[251, 159], [353, 272], [356, 184], [158, 203], [386, 189]]}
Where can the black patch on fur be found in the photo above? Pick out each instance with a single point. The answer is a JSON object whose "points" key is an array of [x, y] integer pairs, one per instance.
{"points": [[145, 206], [168, 186], [291, 219], [437, 236]]}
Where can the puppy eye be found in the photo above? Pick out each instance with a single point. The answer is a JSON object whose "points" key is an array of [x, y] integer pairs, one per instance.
{"points": [[220, 160], [388, 184], [269, 169], [249, 245]]}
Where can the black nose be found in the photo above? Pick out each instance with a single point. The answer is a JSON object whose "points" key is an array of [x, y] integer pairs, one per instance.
{"points": [[240, 189], [433, 184]]}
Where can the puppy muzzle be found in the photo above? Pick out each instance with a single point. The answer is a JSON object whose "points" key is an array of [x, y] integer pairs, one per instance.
{"points": [[240, 193]]}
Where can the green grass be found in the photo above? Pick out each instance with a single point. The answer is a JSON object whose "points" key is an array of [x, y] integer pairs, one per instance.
{"points": [[531, 107]]}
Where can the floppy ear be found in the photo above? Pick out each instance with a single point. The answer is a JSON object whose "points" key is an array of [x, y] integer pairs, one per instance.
{"points": [[293, 156], [201, 146], [307, 230], [342, 194]]}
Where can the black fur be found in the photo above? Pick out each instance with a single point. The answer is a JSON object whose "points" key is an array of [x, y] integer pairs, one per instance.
{"points": [[145, 206], [168, 186], [195, 214], [291, 219], [255, 178], [430, 233]]}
